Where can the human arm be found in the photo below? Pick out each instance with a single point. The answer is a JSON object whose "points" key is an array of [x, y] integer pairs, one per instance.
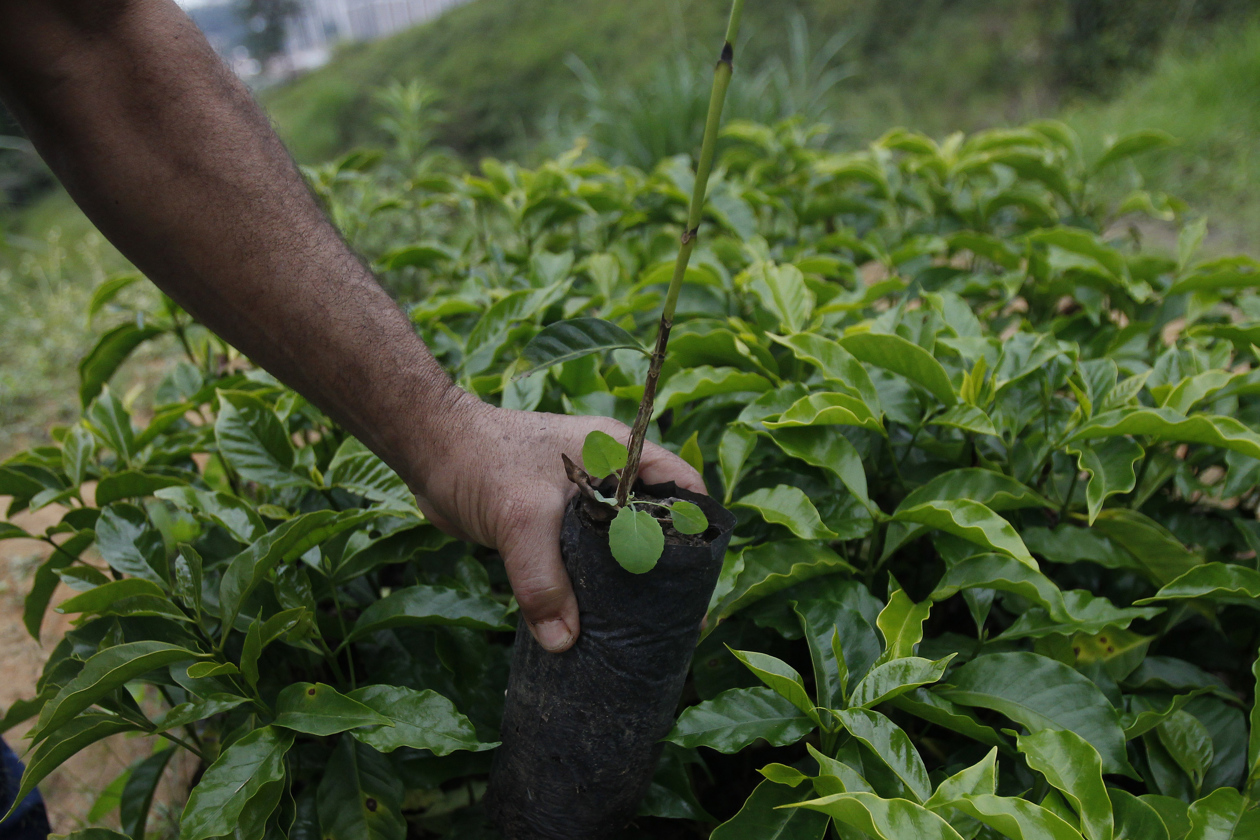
{"points": [[166, 152]]}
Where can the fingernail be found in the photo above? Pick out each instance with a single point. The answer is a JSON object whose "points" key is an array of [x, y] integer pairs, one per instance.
{"points": [[554, 635]]}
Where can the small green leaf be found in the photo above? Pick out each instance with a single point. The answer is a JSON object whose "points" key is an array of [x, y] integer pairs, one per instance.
{"points": [[1110, 468], [779, 676], [828, 409], [138, 792], [1166, 424], [111, 350], [1224, 583], [979, 778], [636, 539], [690, 452], [688, 518], [603, 455]]}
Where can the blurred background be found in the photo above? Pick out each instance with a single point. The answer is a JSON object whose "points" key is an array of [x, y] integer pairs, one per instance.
{"points": [[525, 79]]}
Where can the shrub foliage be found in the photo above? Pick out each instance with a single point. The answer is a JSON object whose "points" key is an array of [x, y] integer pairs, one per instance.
{"points": [[995, 466]]}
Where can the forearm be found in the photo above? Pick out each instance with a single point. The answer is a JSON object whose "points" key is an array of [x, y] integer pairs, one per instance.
{"points": [[167, 153]]}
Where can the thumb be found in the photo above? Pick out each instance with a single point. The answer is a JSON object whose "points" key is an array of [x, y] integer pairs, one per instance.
{"points": [[531, 553]]}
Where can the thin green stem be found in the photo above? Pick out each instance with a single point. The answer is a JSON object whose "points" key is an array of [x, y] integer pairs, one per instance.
{"points": [[704, 168], [181, 742], [345, 634]]}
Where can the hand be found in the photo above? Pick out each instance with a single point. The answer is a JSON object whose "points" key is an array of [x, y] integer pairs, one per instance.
{"points": [[500, 482]]}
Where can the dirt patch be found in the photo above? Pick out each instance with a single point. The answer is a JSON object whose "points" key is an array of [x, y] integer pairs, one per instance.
{"points": [[73, 790]]}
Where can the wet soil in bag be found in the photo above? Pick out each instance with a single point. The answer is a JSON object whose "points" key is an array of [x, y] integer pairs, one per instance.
{"points": [[582, 729]]}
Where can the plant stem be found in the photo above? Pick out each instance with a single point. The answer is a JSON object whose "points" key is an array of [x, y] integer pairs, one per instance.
{"points": [[708, 149]]}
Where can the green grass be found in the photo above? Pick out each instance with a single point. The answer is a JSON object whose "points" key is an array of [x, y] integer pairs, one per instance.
{"points": [[1206, 94]]}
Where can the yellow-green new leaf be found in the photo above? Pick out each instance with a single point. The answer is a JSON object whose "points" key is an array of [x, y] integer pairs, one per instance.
{"points": [[780, 677], [892, 679]]}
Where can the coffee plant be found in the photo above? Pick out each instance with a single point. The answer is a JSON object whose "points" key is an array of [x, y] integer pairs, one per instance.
{"points": [[995, 464]]}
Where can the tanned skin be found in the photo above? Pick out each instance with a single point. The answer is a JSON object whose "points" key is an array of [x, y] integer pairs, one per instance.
{"points": [[170, 157]]}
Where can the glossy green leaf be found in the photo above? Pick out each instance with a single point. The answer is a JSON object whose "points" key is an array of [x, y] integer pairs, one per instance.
{"points": [[778, 676], [773, 567], [894, 678], [1018, 819], [111, 350], [636, 539], [103, 672], [422, 720], [1188, 743], [130, 544], [979, 778], [893, 747], [105, 293], [994, 490], [894, 353], [422, 255], [46, 580], [834, 363], [420, 606], [240, 774], [253, 440], [1040, 693], [603, 455], [286, 543], [1074, 768], [788, 506], [764, 817], [564, 341], [736, 445], [1134, 819], [131, 484], [901, 623], [929, 705], [1224, 583], [1166, 424], [1110, 466], [95, 600], [1224, 814], [1158, 552], [739, 716], [230, 513], [885, 819], [967, 418], [826, 653], [705, 381], [782, 290], [824, 448], [828, 409], [1082, 613], [972, 521], [109, 420], [61, 744], [360, 471], [318, 709]]}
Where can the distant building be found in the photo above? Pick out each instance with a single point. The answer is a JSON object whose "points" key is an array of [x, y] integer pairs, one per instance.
{"points": [[314, 31]]}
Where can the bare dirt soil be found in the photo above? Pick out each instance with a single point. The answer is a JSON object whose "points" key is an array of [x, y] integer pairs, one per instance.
{"points": [[73, 790]]}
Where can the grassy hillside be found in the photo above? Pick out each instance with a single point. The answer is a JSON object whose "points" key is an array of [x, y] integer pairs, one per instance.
{"points": [[1207, 94], [500, 64]]}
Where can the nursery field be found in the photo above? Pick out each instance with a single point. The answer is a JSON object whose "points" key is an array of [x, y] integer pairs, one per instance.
{"points": [[984, 405], [994, 468]]}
